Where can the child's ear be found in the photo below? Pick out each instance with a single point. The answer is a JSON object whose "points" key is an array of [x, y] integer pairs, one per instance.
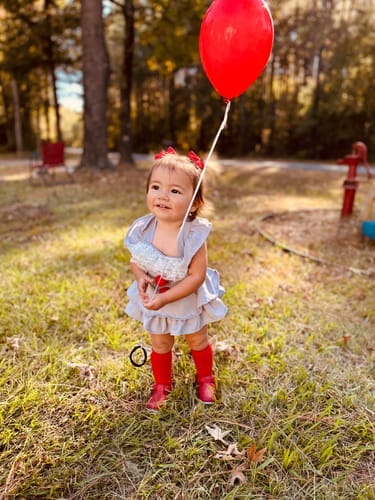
{"points": [[194, 207], [193, 210]]}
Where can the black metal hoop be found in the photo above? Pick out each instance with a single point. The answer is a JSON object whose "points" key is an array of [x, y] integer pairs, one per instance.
{"points": [[132, 353]]}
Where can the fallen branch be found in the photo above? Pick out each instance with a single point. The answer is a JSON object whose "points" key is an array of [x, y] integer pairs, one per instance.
{"points": [[305, 255]]}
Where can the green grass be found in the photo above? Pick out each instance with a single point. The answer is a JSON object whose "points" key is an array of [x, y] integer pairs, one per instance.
{"points": [[294, 363]]}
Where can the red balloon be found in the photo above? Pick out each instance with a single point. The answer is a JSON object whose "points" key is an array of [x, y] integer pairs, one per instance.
{"points": [[235, 43]]}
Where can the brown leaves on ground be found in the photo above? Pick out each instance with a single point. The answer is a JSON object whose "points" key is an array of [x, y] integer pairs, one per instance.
{"points": [[86, 372], [231, 453], [237, 475], [217, 433], [225, 347], [248, 456], [255, 455], [14, 343]]}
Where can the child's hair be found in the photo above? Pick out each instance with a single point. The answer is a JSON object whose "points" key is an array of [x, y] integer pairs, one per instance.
{"points": [[174, 161]]}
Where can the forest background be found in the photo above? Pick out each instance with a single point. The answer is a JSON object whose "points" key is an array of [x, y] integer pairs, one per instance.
{"points": [[315, 97]]}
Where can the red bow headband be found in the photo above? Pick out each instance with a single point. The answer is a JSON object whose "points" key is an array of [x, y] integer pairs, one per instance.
{"points": [[193, 157]]}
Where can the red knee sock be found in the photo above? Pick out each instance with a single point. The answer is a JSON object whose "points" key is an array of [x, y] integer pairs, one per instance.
{"points": [[162, 367], [203, 361]]}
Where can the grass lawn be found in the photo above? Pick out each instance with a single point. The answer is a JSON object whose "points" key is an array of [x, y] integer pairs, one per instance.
{"points": [[294, 357]]}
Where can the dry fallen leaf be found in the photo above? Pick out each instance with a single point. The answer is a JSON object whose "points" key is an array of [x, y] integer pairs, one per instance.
{"points": [[224, 347], [345, 339], [217, 433], [231, 453], [14, 343], [270, 301], [237, 475], [85, 371], [255, 455]]}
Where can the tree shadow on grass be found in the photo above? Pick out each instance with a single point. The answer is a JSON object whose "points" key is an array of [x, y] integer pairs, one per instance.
{"points": [[29, 215], [244, 181]]}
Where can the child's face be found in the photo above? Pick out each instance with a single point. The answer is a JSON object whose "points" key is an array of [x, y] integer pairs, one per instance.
{"points": [[169, 194]]}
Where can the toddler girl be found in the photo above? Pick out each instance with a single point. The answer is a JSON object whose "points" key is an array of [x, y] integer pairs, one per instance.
{"points": [[175, 293]]}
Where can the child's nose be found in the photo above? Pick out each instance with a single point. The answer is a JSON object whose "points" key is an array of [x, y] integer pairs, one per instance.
{"points": [[163, 193]]}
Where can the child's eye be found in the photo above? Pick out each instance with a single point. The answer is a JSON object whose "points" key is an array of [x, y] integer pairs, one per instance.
{"points": [[154, 186], [175, 191]]}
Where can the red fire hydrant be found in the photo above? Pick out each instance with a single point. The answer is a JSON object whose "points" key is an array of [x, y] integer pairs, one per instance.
{"points": [[359, 154]]}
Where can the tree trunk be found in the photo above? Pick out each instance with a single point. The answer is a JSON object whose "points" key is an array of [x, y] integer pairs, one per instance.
{"points": [[7, 114], [17, 116], [243, 126], [51, 67], [95, 84], [171, 140], [125, 144], [315, 105], [270, 145]]}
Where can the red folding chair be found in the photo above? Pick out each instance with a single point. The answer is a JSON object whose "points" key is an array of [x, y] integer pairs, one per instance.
{"points": [[52, 156]]}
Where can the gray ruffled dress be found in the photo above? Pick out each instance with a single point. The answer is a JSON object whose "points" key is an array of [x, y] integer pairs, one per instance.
{"points": [[186, 315]]}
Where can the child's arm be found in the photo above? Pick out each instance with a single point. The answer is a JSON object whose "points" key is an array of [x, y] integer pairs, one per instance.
{"points": [[142, 278], [194, 279]]}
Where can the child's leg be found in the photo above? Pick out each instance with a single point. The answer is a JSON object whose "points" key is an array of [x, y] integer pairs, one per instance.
{"points": [[161, 363], [161, 358], [203, 357]]}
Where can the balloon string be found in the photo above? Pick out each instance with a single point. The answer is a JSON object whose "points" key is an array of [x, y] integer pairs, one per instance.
{"points": [[221, 128]]}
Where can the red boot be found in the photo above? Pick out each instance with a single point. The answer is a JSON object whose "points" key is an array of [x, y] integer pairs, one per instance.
{"points": [[206, 389], [203, 360], [159, 395], [162, 370]]}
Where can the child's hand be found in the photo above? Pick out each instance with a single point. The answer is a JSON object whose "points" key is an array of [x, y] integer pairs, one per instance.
{"points": [[153, 303], [143, 284]]}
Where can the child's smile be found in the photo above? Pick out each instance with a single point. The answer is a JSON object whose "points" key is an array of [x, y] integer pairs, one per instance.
{"points": [[159, 205]]}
